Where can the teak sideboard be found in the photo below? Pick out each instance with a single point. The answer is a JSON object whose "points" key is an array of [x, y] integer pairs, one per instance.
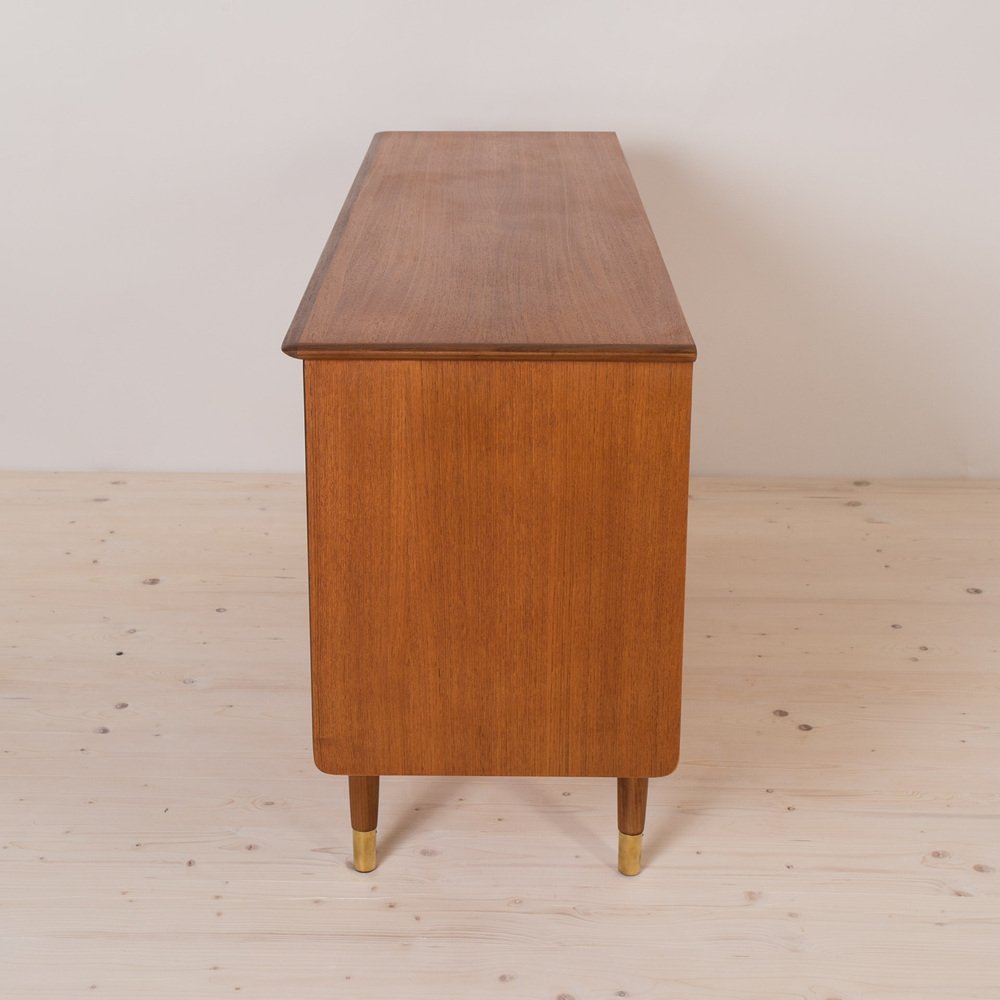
{"points": [[497, 407]]}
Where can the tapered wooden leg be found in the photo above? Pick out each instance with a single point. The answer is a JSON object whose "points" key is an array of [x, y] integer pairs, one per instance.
{"points": [[631, 821], [363, 790]]}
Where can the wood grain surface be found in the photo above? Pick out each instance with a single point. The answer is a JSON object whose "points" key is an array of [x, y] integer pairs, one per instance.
{"points": [[497, 565], [491, 244], [632, 796], [166, 835], [363, 795]]}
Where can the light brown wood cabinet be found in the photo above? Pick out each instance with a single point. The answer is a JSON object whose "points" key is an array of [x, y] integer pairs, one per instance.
{"points": [[497, 402]]}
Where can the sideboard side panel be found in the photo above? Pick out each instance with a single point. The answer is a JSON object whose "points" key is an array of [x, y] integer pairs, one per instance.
{"points": [[496, 559]]}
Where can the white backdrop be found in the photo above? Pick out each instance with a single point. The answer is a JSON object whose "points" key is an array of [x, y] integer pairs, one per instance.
{"points": [[822, 176]]}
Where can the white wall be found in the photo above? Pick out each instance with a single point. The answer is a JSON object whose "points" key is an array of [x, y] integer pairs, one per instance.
{"points": [[823, 178]]}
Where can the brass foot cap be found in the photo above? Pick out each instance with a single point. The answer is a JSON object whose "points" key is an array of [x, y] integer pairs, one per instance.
{"points": [[629, 852], [364, 850]]}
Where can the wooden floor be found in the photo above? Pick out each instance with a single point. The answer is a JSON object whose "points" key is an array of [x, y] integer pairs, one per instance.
{"points": [[833, 830]]}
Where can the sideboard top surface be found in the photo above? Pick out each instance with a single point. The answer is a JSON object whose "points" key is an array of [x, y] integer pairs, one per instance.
{"points": [[492, 245]]}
